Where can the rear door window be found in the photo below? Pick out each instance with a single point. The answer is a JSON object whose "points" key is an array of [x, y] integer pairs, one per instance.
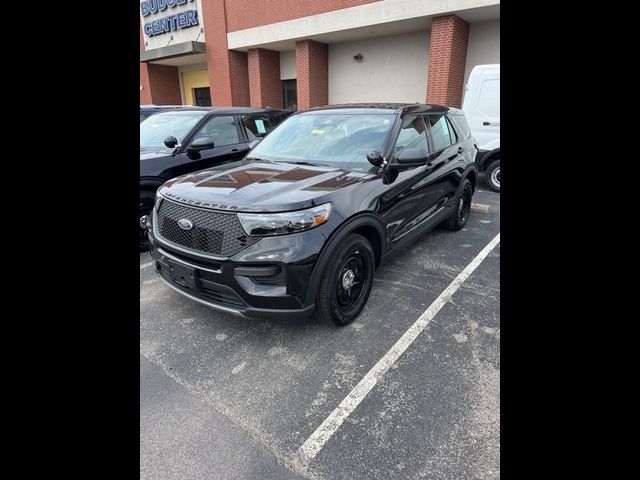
{"points": [[441, 132], [257, 126]]}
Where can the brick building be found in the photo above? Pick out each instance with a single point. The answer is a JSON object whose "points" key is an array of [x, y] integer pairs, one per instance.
{"points": [[304, 53]]}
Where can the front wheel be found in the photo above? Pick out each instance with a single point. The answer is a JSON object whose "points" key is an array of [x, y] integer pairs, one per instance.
{"points": [[493, 176], [346, 281]]}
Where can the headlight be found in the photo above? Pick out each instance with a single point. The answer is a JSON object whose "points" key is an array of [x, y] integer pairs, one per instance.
{"points": [[283, 223]]}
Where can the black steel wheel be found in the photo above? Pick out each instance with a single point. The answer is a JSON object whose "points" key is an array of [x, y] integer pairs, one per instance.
{"points": [[460, 215], [346, 281]]}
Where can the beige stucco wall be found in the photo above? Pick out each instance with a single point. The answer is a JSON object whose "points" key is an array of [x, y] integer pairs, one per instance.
{"points": [[288, 65], [393, 69], [484, 45]]}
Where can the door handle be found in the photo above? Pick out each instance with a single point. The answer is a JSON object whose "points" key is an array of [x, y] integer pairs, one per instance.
{"points": [[486, 124], [234, 149]]}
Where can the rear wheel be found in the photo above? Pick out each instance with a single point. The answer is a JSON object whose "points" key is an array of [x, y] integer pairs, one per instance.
{"points": [[146, 206], [346, 281], [460, 215], [493, 176]]}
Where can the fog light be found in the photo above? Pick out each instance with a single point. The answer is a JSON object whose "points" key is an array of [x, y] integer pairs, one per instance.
{"points": [[144, 222]]}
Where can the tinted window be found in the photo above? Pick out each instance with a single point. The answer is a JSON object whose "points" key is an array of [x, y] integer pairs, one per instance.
{"points": [[440, 132], [462, 126], [257, 126], [489, 98], [412, 135], [202, 96], [221, 130]]}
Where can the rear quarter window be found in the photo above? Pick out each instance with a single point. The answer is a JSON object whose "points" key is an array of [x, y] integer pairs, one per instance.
{"points": [[461, 126]]}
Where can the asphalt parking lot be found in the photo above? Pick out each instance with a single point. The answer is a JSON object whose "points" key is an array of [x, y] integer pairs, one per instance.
{"points": [[229, 398]]}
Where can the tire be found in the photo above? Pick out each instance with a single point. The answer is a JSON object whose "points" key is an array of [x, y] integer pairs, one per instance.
{"points": [[492, 177], [337, 302], [460, 215], [146, 206]]}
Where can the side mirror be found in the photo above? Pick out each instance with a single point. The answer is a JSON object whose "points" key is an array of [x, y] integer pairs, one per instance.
{"points": [[203, 143], [171, 141], [412, 156], [253, 143], [375, 157]]}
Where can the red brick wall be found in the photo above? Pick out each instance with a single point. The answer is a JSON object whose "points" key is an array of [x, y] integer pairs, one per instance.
{"points": [[164, 85], [228, 71], [264, 78], [312, 66], [447, 57], [243, 14]]}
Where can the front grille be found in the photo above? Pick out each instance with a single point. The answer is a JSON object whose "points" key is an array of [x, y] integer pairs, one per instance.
{"points": [[217, 233]]}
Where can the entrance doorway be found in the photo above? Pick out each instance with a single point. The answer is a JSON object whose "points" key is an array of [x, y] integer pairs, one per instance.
{"points": [[290, 94]]}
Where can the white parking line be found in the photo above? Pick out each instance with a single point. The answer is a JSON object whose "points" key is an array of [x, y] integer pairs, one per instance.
{"points": [[323, 433], [145, 265]]}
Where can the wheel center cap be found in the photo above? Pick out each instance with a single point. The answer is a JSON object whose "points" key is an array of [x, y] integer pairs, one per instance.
{"points": [[347, 279]]}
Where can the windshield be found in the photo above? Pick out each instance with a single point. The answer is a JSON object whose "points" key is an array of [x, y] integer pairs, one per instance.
{"points": [[336, 140], [154, 129]]}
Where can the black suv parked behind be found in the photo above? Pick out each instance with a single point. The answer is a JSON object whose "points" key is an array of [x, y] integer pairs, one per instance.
{"points": [[188, 139], [304, 220]]}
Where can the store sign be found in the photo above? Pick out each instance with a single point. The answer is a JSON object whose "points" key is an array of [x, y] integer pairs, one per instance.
{"points": [[169, 23]]}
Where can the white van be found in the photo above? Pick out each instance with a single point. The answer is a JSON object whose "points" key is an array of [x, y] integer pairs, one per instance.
{"points": [[481, 106]]}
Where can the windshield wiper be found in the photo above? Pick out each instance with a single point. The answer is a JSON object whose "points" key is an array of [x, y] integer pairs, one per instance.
{"points": [[305, 163], [258, 159]]}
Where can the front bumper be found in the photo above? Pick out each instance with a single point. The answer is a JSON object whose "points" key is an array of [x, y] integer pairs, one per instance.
{"points": [[266, 280]]}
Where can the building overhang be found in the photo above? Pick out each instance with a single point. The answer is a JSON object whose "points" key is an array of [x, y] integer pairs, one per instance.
{"points": [[371, 20], [167, 55]]}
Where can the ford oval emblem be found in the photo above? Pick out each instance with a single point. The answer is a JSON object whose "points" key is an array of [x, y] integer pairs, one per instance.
{"points": [[185, 224]]}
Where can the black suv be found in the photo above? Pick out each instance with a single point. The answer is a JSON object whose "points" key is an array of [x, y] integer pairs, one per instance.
{"points": [[303, 221], [192, 138]]}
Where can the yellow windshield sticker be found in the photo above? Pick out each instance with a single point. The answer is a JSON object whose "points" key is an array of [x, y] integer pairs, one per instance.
{"points": [[317, 132]]}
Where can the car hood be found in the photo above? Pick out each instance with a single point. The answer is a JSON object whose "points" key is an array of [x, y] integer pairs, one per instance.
{"points": [[262, 187]]}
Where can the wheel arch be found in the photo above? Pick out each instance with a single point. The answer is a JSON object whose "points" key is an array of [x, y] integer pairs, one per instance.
{"points": [[365, 224], [150, 184], [489, 157], [471, 173]]}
